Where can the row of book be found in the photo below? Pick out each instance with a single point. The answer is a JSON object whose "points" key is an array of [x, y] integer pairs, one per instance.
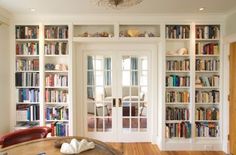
{"points": [[206, 48], [178, 65], [56, 80], [56, 95], [56, 32], [208, 32], [211, 96], [59, 128], [178, 130], [177, 97], [27, 65], [205, 129], [57, 113], [177, 113], [207, 65], [209, 113], [177, 81], [27, 95], [56, 48], [29, 48], [27, 79], [26, 112], [27, 32], [207, 81], [177, 31]]}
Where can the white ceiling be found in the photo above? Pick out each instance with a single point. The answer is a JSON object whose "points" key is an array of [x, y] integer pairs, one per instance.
{"points": [[146, 7]]}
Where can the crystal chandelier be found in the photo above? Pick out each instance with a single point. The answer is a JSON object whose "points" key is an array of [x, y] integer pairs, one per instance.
{"points": [[116, 4]]}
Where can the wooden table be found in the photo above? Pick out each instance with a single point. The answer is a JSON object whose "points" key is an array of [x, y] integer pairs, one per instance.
{"points": [[47, 146]]}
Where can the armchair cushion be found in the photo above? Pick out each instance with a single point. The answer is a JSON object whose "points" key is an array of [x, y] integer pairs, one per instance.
{"points": [[24, 135]]}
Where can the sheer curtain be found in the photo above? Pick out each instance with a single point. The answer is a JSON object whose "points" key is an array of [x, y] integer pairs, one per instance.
{"points": [[134, 71], [107, 71], [90, 77]]}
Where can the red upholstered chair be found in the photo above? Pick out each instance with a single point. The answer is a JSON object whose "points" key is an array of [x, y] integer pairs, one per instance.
{"points": [[24, 135]]}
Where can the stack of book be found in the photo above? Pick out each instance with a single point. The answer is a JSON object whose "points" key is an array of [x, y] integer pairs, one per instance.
{"points": [[57, 113], [177, 113], [27, 79], [178, 130], [178, 65], [207, 48], [56, 48], [177, 81], [208, 81], [177, 31], [27, 65], [207, 65], [212, 96], [210, 113], [206, 129], [208, 32], [27, 95], [56, 95], [29, 48], [26, 112], [27, 32], [53, 32], [177, 96], [56, 80], [59, 129]]}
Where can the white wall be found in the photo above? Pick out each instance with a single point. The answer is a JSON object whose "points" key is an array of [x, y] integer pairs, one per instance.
{"points": [[4, 79], [231, 24]]}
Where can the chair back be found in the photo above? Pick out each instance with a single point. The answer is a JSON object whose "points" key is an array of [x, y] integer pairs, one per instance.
{"points": [[24, 135]]}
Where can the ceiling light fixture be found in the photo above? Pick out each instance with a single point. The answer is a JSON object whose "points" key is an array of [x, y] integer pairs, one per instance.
{"points": [[116, 4], [32, 9], [201, 9]]}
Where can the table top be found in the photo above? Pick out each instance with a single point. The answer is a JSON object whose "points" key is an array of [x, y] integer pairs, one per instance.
{"points": [[47, 146]]}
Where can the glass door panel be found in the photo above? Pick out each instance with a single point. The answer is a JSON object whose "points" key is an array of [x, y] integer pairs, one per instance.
{"points": [[99, 94], [134, 93]]}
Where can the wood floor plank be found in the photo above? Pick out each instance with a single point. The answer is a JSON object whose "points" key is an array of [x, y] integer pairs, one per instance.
{"points": [[150, 149]]}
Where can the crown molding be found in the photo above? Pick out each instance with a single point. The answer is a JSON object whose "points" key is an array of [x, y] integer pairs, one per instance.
{"points": [[114, 18]]}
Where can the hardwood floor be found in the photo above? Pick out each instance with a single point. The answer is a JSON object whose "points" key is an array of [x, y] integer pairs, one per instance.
{"points": [[149, 149]]}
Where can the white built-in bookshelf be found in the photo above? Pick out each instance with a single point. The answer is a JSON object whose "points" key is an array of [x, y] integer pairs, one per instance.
{"points": [[27, 76], [56, 77], [193, 110], [42, 77], [207, 81], [177, 83]]}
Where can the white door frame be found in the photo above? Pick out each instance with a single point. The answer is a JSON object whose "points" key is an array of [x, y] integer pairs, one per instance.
{"points": [[81, 48]]}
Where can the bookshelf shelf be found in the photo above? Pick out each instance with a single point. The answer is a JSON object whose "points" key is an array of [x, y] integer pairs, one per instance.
{"points": [[27, 71], [178, 103], [177, 71], [55, 71], [56, 40], [27, 40], [206, 120], [177, 87], [33, 56], [207, 104], [56, 55], [207, 55], [177, 56], [176, 121]]}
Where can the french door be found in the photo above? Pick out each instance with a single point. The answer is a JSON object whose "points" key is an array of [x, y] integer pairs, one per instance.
{"points": [[116, 86]]}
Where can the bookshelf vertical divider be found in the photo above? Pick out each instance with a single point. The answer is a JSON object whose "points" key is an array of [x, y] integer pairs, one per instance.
{"points": [[41, 69]]}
